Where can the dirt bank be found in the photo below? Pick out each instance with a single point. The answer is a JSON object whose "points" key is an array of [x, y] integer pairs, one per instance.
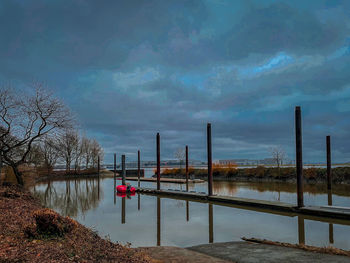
{"points": [[30, 233]]}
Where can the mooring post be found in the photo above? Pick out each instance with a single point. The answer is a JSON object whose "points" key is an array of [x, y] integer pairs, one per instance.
{"points": [[138, 168], [158, 161], [186, 168], [211, 221], [210, 171], [123, 170], [299, 156], [329, 163], [115, 167]]}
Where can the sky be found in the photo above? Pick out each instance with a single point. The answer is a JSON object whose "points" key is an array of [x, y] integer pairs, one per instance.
{"points": [[129, 69]]}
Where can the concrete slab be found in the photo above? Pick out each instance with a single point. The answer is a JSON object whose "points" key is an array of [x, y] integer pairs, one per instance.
{"points": [[179, 255], [246, 252]]}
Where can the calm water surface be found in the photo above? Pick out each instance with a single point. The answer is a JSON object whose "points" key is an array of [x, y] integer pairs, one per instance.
{"points": [[149, 221]]}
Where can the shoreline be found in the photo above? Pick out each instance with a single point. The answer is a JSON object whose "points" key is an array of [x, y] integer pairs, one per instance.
{"points": [[340, 175], [31, 233]]}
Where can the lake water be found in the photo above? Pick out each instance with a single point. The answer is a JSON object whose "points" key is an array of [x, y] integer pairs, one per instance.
{"points": [[145, 220]]}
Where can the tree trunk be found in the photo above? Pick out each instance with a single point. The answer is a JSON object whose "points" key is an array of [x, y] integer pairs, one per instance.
{"points": [[0, 166], [18, 175]]}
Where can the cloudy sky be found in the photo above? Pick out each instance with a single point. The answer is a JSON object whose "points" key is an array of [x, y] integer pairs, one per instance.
{"points": [[130, 69]]}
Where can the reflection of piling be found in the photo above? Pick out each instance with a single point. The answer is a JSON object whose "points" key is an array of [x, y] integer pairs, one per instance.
{"points": [[123, 210], [187, 211], [138, 168], [330, 232], [115, 167], [187, 169], [211, 227], [158, 221], [123, 170], [329, 171], [138, 201], [210, 172], [301, 230], [158, 161], [299, 156]]}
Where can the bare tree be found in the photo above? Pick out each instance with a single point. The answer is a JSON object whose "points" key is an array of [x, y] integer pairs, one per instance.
{"points": [[50, 152], [95, 151], [24, 119], [180, 155], [86, 150], [68, 143], [279, 155]]}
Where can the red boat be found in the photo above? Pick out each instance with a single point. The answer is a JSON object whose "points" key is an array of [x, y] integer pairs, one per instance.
{"points": [[125, 189]]}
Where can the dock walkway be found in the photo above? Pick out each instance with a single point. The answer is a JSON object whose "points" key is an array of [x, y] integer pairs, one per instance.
{"points": [[274, 207], [163, 180]]}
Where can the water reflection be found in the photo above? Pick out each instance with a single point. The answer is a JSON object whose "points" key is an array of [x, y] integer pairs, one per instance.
{"points": [[158, 220], [77, 195], [94, 207]]}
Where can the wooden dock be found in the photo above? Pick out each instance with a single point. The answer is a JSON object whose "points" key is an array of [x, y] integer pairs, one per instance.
{"points": [[339, 215], [163, 180]]}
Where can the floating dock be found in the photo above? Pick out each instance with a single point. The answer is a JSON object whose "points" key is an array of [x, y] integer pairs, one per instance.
{"points": [[319, 213], [164, 180]]}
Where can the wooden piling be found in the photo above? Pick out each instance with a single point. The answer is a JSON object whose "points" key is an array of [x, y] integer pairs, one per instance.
{"points": [[115, 167], [138, 168], [158, 161], [186, 168], [210, 171], [299, 156], [329, 163], [123, 170]]}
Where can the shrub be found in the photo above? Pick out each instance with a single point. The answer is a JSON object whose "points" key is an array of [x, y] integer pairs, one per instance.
{"points": [[49, 223]]}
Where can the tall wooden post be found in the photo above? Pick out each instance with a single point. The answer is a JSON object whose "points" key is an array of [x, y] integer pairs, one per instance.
{"points": [[115, 167], [186, 168], [158, 161], [210, 171], [329, 163], [138, 168], [299, 156], [123, 170]]}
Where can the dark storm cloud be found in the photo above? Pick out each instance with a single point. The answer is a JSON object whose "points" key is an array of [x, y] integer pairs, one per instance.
{"points": [[132, 68]]}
